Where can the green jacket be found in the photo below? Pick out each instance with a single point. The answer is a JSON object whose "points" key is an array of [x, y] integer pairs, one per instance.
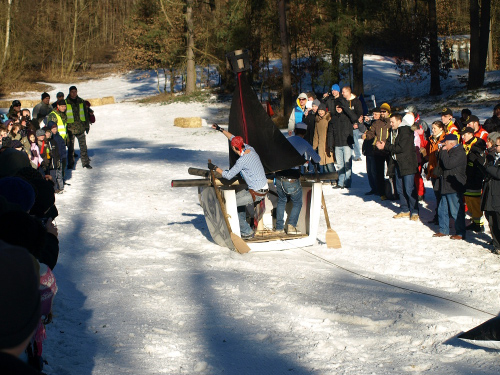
{"points": [[77, 115]]}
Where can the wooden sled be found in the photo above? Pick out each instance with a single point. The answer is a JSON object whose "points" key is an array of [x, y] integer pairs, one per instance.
{"points": [[265, 239]]}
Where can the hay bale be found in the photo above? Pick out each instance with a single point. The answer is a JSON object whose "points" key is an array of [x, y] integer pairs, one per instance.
{"points": [[187, 122], [102, 101]]}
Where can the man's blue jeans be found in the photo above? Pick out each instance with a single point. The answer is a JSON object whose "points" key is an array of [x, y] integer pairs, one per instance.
{"points": [[357, 135], [405, 186], [452, 205], [343, 158], [243, 199], [286, 188]]}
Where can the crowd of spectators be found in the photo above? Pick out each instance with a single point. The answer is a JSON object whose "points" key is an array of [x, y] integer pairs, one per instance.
{"points": [[34, 156], [460, 156]]}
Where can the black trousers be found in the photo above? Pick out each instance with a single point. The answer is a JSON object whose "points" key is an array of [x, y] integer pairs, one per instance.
{"points": [[82, 142], [494, 222]]}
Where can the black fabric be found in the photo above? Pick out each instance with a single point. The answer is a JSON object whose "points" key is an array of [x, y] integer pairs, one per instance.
{"points": [[490, 200], [489, 330], [10, 365], [274, 150], [310, 121], [453, 162], [474, 174], [340, 127], [404, 151], [492, 124]]}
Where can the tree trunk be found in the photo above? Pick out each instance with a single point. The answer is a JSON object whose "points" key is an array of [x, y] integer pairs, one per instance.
{"points": [[479, 37], [335, 60], [73, 45], [191, 67], [256, 7], [7, 36], [357, 65], [434, 53], [285, 61]]}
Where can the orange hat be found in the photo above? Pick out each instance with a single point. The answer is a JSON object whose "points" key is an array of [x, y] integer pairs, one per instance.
{"points": [[237, 142]]}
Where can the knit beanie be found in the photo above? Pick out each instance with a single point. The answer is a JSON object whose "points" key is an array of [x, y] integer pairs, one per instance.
{"points": [[322, 106], [336, 87], [45, 95], [316, 102], [19, 296], [18, 191], [40, 132], [386, 106]]}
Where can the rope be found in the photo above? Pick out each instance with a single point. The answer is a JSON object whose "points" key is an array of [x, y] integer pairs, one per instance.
{"points": [[393, 285]]}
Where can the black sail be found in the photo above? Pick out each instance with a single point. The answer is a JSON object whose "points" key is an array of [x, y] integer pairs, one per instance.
{"points": [[249, 120]]}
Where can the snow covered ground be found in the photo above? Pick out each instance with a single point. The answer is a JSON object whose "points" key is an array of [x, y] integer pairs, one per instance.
{"points": [[144, 289]]}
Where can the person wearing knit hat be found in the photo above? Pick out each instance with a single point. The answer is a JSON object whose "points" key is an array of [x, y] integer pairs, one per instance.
{"points": [[21, 310], [42, 109], [330, 97], [385, 110], [298, 112]]}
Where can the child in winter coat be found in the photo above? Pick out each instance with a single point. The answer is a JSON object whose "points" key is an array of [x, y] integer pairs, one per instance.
{"points": [[35, 157], [63, 156], [52, 163]]}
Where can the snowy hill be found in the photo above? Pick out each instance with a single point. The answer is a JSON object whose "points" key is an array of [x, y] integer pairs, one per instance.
{"points": [[144, 289]]}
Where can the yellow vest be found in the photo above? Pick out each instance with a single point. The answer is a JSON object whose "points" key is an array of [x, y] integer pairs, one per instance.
{"points": [[69, 113], [61, 126]]}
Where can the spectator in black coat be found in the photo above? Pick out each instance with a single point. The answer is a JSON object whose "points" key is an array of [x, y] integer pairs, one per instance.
{"points": [[490, 202], [493, 124], [452, 179], [403, 163], [341, 139]]}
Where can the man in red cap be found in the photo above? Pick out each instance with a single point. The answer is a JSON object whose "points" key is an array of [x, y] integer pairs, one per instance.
{"points": [[251, 169]]}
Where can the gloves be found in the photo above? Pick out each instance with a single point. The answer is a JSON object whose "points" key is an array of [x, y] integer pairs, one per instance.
{"points": [[218, 128], [87, 131], [212, 166]]}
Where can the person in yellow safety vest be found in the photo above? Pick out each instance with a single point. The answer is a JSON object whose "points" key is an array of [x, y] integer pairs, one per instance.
{"points": [[58, 115], [78, 125]]}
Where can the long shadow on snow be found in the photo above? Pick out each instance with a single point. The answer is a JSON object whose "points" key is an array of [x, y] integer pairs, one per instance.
{"points": [[73, 345], [230, 341], [138, 150]]}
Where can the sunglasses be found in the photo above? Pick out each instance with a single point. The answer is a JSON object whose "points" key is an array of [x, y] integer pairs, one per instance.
{"points": [[383, 111]]}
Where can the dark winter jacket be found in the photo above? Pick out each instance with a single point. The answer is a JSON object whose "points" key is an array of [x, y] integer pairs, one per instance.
{"points": [[453, 164], [402, 150], [490, 200], [330, 103], [379, 131], [61, 146], [11, 365], [51, 156], [474, 174], [340, 126], [310, 120], [355, 105], [492, 124]]}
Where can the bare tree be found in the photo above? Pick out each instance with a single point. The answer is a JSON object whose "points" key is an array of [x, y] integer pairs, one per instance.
{"points": [[191, 68], [285, 60], [434, 50], [479, 37], [7, 36]]}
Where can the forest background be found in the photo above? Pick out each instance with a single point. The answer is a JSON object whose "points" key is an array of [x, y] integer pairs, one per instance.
{"points": [[59, 40]]}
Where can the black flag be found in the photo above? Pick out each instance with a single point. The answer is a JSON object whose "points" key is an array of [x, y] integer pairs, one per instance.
{"points": [[249, 120]]}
